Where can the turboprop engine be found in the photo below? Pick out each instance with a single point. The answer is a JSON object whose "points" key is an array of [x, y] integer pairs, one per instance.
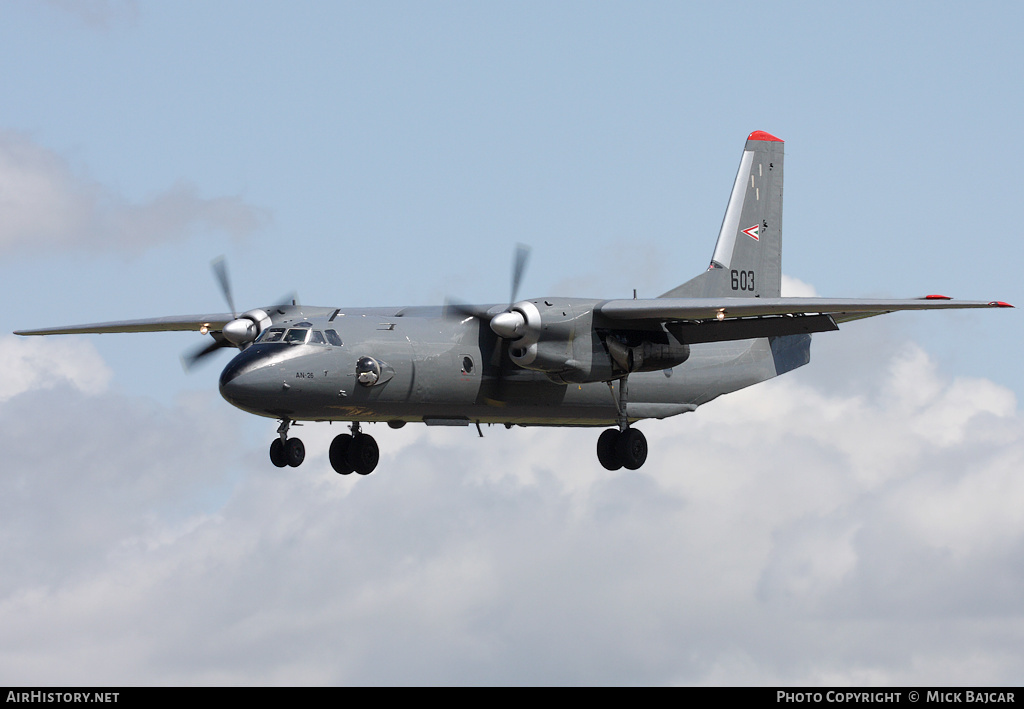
{"points": [[557, 336], [243, 330]]}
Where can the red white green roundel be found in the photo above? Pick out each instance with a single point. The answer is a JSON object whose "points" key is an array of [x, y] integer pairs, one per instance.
{"points": [[752, 232]]}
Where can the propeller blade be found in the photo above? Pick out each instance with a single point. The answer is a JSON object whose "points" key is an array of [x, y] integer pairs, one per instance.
{"points": [[518, 268], [190, 359], [494, 389], [220, 270], [457, 310]]}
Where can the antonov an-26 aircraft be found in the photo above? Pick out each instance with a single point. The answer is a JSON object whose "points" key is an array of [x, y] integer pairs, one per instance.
{"points": [[547, 361]]}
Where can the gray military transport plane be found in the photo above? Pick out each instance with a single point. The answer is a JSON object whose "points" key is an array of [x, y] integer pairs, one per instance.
{"points": [[547, 361]]}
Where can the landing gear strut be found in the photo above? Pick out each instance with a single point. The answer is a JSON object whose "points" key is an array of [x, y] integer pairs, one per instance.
{"points": [[286, 451], [356, 452], [625, 447]]}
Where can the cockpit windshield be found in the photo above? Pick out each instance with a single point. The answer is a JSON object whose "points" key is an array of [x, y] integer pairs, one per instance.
{"points": [[300, 336], [274, 334]]}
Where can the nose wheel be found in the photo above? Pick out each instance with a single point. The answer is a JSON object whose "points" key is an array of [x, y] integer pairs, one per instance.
{"points": [[286, 451], [354, 452]]}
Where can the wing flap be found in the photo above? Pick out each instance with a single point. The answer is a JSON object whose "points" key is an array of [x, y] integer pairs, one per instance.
{"points": [[691, 332]]}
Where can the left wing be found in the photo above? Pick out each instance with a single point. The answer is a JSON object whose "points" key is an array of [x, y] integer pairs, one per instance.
{"points": [[715, 319], [707, 308]]}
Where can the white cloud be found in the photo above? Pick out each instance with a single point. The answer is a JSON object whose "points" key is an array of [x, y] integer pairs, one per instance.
{"points": [[47, 205], [35, 364], [788, 533], [795, 288]]}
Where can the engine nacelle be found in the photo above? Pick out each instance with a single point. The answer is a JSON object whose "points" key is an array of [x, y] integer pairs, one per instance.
{"points": [[557, 336], [243, 330], [646, 351], [540, 334]]}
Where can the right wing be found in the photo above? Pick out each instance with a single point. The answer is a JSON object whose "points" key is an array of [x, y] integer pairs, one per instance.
{"points": [[202, 323]]}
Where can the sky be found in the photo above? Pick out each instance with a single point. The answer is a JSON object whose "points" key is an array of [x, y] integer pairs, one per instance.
{"points": [[855, 522]]}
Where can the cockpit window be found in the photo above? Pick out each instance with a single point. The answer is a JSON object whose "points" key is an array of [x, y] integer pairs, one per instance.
{"points": [[301, 335], [296, 336], [274, 334]]}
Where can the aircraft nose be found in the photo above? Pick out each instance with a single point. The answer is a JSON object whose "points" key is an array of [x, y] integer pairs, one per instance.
{"points": [[233, 385], [236, 367], [242, 383]]}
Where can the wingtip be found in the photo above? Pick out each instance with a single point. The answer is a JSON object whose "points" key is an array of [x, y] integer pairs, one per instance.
{"points": [[937, 297], [762, 135], [1000, 304]]}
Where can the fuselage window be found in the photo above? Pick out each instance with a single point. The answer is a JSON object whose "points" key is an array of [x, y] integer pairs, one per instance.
{"points": [[317, 338], [296, 336], [467, 365], [332, 337], [274, 334]]}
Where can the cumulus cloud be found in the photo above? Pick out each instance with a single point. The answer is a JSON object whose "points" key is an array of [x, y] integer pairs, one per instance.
{"points": [[795, 288], [32, 364], [47, 205], [789, 533]]}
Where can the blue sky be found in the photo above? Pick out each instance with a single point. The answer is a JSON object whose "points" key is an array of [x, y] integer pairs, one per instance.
{"points": [[394, 153]]}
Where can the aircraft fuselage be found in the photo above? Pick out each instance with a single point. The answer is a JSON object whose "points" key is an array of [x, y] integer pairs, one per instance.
{"points": [[443, 370]]}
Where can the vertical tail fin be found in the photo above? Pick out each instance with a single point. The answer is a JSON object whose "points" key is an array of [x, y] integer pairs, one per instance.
{"points": [[748, 255]]}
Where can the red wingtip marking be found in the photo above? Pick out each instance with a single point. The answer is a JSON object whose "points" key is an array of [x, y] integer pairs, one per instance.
{"points": [[937, 297], [1000, 304], [761, 135]]}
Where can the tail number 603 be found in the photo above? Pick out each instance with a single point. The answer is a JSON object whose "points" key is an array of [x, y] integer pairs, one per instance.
{"points": [[742, 280]]}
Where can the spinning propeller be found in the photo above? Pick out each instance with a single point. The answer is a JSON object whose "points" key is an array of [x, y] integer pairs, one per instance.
{"points": [[239, 332], [512, 325]]}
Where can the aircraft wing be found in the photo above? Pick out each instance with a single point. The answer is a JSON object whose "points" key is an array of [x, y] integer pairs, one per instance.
{"points": [[213, 322], [707, 308], [716, 319]]}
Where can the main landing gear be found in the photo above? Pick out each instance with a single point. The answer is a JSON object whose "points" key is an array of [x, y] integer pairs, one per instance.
{"points": [[622, 449], [354, 453], [625, 447]]}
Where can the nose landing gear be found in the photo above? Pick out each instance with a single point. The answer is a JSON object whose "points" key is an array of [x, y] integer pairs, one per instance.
{"points": [[286, 451], [356, 452]]}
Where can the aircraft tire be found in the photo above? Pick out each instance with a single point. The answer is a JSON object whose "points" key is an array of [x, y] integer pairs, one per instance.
{"points": [[363, 454], [631, 448], [339, 454], [606, 452], [294, 452], [277, 453]]}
